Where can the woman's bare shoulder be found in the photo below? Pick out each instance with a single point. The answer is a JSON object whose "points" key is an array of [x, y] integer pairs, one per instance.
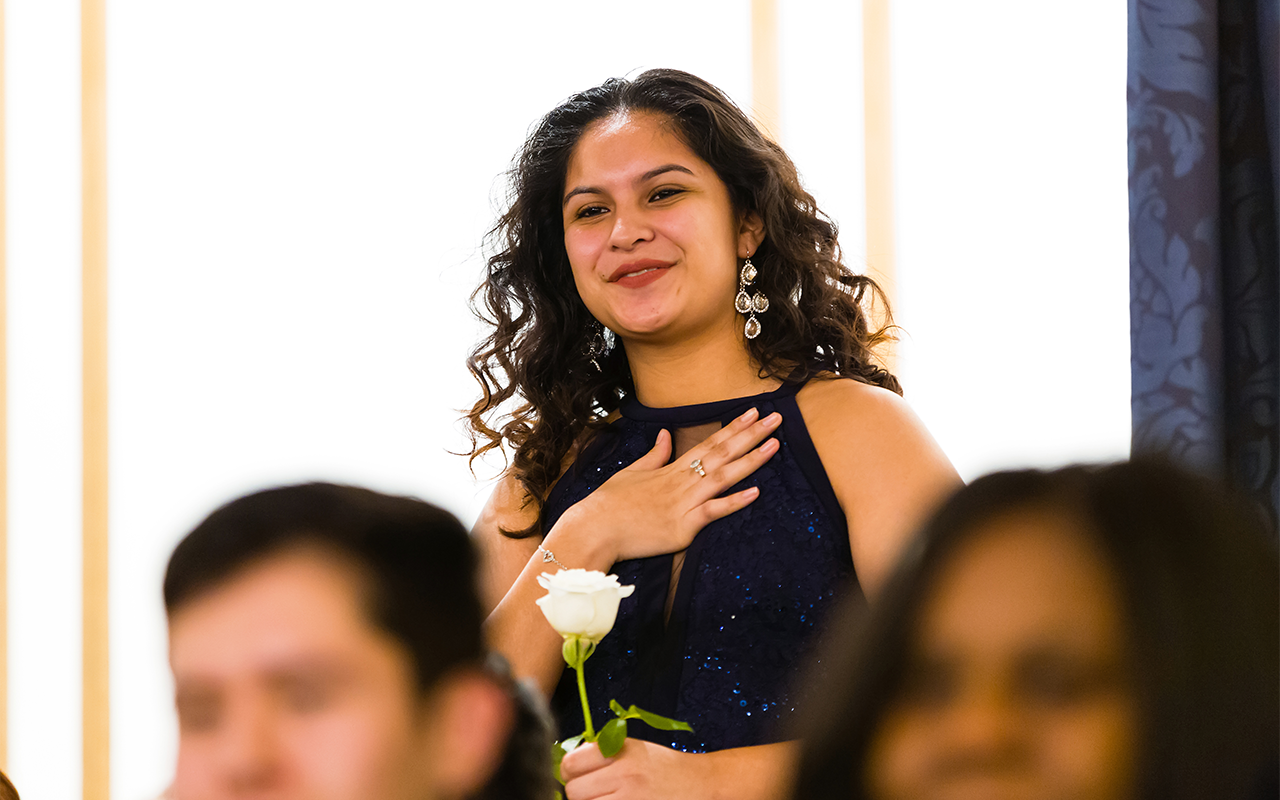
{"points": [[501, 556], [886, 469], [509, 507], [844, 403], [865, 428]]}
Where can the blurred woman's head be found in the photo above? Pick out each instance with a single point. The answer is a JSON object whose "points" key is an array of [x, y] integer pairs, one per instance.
{"points": [[1100, 632], [540, 347]]}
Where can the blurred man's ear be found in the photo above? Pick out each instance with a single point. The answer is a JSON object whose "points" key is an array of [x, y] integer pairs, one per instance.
{"points": [[471, 719]]}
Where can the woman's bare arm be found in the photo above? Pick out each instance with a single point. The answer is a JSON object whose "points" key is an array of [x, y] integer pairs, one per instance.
{"points": [[509, 581], [887, 471]]}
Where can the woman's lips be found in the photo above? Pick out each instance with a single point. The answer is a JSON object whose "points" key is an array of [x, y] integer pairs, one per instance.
{"points": [[639, 273], [634, 280]]}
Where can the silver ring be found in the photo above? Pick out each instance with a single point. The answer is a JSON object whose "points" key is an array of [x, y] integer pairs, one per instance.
{"points": [[696, 466]]}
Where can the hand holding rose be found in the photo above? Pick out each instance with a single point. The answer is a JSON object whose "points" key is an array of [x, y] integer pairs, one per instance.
{"points": [[582, 606]]}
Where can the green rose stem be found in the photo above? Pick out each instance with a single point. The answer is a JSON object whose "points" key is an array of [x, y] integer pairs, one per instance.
{"points": [[586, 710], [582, 611], [576, 653]]}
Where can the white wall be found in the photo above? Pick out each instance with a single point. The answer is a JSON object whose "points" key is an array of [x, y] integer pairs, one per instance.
{"points": [[1011, 168], [298, 193], [42, 95]]}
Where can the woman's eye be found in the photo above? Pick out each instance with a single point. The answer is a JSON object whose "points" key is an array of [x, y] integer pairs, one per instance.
{"points": [[663, 194], [1063, 681], [590, 211], [929, 685]]}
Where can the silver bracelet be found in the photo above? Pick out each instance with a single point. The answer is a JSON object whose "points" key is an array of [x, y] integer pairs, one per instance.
{"points": [[547, 556]]}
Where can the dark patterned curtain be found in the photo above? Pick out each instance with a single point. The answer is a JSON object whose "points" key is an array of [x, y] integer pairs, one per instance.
{"points": [[1203, 220]]}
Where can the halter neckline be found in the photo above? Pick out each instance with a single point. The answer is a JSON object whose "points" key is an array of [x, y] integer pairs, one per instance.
{"points": [[699, 413]]}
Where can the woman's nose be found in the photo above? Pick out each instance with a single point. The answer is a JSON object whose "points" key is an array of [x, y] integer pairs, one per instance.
{"points": [[630, 227], [984, 730]]}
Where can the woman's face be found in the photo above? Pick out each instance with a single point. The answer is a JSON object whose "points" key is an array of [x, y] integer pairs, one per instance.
{"points": [[1017, 682], [652, 237]]}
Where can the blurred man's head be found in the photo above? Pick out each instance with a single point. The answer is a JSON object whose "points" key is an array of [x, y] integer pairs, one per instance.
{"points": [[325, 643]]}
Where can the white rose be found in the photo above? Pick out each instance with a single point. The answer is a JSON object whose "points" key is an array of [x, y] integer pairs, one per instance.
{"points": [[581, 603]]}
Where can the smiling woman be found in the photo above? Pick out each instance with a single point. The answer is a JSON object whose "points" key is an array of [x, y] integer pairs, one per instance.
{"points": [[653, 249], [740, 456]]}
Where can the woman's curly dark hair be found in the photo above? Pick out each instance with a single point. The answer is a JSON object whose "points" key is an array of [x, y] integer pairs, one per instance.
{"points": [[819, 309]]}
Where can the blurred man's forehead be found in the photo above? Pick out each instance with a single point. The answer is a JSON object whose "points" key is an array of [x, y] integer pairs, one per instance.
{"points": [[300, 608]]}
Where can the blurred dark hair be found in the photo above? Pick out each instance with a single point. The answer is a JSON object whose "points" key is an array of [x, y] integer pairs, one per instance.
{"points": [[419, 571], [525, 771], [1200, 580], [7, 790], [818, 318]]}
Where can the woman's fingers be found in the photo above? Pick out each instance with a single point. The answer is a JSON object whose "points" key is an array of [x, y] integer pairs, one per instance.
{"points": [[658, 455], [718, 507], [734, 471], [729, 460], [734, 440], [581, 760], [675, 499], [639, 770]]}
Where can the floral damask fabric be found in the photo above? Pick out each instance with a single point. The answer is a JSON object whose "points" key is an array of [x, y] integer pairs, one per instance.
{"points": [[1204, 280]]}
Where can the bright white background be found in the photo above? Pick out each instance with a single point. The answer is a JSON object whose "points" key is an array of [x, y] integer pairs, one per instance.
{"points": [[298, 194]]}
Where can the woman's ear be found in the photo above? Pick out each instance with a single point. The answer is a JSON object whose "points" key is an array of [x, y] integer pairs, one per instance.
{"points": [[750, 233], [473, 717]]}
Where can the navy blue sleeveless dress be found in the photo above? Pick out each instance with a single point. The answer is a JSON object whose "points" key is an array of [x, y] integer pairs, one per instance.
{"points": [[751, 595]]}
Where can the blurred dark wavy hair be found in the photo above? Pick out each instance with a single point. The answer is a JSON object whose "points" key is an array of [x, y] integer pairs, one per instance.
{"points": [[820, 313]]}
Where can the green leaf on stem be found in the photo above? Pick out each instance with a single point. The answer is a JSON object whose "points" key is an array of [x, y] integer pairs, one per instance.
{"points": [[557, 755], [558, 751], [649, 718], [612, 736]]}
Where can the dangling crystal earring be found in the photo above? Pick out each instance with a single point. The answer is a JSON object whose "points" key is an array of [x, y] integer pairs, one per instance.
{"points": [[600, 345], [750, 304]]}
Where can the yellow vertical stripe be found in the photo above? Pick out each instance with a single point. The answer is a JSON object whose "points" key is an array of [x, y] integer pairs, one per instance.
{"points": [[764, 67], [4, 423], [879, 142], [97, 725]]}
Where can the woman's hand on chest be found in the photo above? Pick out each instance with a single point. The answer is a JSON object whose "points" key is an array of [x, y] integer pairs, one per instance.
{"points": [[653, 507]]}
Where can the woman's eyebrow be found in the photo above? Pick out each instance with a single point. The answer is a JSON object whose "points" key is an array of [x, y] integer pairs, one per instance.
{"points": [[651, 174], [577, 191]]}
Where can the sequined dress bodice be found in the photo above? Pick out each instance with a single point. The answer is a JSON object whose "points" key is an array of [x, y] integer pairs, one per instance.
{"points": [[749, 598]]}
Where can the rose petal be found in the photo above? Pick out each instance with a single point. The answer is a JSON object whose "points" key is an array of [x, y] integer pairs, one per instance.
{"points": [[582, 602]]}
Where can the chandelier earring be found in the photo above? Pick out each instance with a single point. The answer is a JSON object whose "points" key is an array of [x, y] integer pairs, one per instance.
{"points": [[600, 345], [749, 304]]}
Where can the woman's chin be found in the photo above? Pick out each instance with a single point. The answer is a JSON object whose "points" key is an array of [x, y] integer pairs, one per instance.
{"points": [[670, 330], [643, 328]]}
